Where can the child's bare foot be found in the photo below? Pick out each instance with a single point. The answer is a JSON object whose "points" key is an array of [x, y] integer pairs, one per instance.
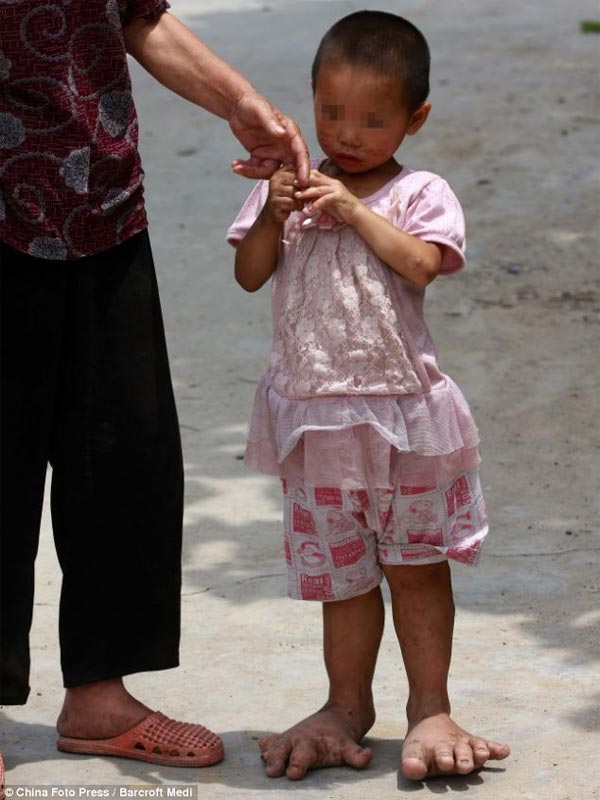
{"points": [[328, 738], [438, 746]]}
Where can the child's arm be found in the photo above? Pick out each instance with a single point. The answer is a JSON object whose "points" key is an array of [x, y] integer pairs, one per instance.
{"points": [[256, 256], [415, 259]]}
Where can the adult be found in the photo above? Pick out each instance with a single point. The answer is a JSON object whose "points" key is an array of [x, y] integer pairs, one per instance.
{"points": [[85, 375]]}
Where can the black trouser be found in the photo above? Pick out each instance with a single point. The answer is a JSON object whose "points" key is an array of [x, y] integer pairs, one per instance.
{"points": [[86, 387]]}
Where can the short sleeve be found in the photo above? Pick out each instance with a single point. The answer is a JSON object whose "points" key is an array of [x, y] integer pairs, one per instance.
{"points": [[131, 10], [248, 213], [435, 215]]}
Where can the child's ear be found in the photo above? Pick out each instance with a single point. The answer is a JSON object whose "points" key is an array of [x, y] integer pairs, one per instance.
{"points": [[418, 118]]}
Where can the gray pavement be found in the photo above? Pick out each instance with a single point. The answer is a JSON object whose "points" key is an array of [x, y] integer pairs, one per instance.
{"points": [[515, 131]]}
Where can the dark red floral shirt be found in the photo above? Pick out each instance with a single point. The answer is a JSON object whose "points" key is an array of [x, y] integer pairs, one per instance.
{"points": [[70, 171]]}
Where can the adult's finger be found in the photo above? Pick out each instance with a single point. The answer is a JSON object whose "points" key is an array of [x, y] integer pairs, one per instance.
{"points": [[255, 168], [276, 123], [299, 152]]}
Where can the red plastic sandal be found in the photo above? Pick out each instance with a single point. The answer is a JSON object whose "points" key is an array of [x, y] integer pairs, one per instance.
{"points": [[156, 739], [2, 795]]}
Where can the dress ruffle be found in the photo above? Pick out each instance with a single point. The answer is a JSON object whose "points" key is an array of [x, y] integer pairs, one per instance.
{"points": [[421, 440]]}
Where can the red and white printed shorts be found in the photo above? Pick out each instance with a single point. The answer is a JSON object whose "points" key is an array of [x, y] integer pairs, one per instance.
{"points": [[337, 539]]}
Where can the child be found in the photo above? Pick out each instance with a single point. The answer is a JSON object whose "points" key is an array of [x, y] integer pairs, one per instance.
{"points": [[376, 447]]}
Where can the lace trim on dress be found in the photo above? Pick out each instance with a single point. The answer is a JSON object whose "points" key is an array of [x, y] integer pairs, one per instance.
{"points": [[355, 441], [338, 331]]}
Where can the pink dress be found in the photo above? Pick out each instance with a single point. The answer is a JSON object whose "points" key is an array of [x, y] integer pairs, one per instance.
{"points": [[353, 396]]}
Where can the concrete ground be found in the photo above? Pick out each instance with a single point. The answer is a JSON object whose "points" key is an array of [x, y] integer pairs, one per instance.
{"points": [[515, 131]]}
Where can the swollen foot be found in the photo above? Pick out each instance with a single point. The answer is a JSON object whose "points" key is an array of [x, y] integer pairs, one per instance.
{"points": [[436, 745], [99, 710], [329, 738]]}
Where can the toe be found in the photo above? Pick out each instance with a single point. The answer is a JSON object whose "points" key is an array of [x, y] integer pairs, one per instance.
{"points": [[443, 756], [276, 759], [497, 750], [275, 768], [265, 742], [463, 758], [414, 765], [296, 772], [302, 758], [414, 768], [481, 751], [357, 756]]}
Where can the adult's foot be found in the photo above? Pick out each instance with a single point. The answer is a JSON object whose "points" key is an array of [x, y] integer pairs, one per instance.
{"points": [[329, 738], [99, 710], [436, 745]]}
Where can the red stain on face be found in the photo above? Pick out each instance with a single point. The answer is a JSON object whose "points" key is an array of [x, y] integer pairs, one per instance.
{"points": [[360, 118]]}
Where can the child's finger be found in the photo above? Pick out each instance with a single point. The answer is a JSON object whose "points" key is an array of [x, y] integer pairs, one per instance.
{"points": [[324, 205], [319, 178], [320, 205], [285, 203], [284, 188], [312, 192], [281, 189]]}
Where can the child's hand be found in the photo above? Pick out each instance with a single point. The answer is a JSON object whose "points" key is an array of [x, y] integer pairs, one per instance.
{"points": [[281, 201], [331, 196]]}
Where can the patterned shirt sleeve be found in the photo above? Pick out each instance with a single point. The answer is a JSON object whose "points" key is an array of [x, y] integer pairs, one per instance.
{"points": [[131, 10]]}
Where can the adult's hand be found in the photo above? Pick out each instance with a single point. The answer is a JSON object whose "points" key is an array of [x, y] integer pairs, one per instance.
{"points": [[187, 65], [270, 137]]}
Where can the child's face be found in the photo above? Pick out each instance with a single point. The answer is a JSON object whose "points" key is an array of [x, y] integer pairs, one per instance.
{"points": [[360, 118]]}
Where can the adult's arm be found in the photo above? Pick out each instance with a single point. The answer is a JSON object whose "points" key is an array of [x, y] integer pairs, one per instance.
{"points": [[182, 62]]}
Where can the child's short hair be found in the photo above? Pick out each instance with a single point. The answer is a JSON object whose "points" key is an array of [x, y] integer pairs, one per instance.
{"points": [[384, 43]]}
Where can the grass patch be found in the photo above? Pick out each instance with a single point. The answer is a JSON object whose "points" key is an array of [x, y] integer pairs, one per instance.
{"points": [[589, 26]]}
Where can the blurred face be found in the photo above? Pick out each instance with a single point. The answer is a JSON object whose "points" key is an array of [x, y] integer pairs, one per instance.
{"points": [[360, 118]]}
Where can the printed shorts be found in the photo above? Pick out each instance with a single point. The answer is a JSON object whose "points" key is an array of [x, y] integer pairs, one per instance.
{"points": [[336, 539]]}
